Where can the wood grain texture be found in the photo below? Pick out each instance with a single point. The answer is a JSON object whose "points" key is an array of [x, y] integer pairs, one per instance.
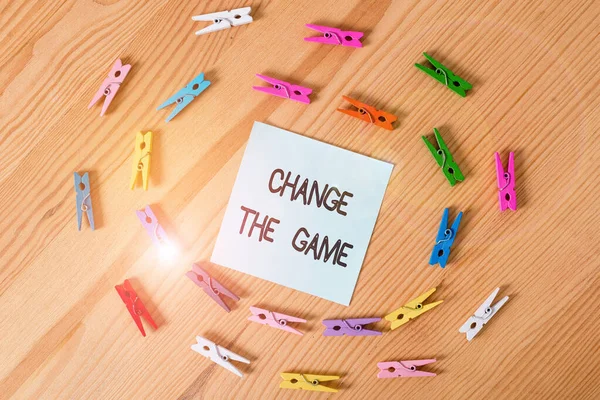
{"points": [[535, 70]]}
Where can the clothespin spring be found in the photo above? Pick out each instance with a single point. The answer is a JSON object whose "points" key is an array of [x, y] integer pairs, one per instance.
{"points": [[314, 383], [363, 112], [224, 358], [84, 206], [357, 328], [140, 164], [507, 178], [447, 236], [438, 70], [329, 35]]}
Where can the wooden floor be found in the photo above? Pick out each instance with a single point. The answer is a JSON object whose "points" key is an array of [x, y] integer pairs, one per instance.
{"points": [[535, 70]]}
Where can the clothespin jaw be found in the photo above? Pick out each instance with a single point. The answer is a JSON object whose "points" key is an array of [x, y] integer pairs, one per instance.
{"points": [[219, 355], [369, 114], [444, 240], [307, 382], [83, 199], [185, 96], [445, 76], [141, 159], [224, 19], [275, 320], [350, 327], [507, 196], [284, 89], [335, 36], [135, 306], [210, 286], [482, 316], [403, 369], [411, 310], [111, 85], [444, 159]]}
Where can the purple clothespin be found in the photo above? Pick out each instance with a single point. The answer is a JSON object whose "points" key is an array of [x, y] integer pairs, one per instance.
{"points": [[506, 183], [350, 327], [335, 36], [403, 369], [284, 89], [150, 223], [111, 85], [210, 286]]}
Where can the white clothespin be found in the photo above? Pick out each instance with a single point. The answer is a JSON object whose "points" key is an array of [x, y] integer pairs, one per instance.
{"points": [[483, 314], [224, 19], [219, 355]]}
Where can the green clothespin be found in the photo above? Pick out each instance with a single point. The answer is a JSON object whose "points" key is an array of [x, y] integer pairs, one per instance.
{"points": [[445, 76], [444, 159]]}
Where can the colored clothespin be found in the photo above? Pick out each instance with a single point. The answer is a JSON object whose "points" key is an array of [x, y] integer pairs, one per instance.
{"points": [[335, 36], [444, 159], [210, 286], [141, 159], [445, 76], [482, 316], [411, 310], [444, 240], [307, 382], [185, 95], [350, 327], [370, 114], [224, 19], [83, 199], [284, 89], [403, 369], [135, 306], [219, 355], [111, 85], [275, 320], [150, 223], [506, 183]]}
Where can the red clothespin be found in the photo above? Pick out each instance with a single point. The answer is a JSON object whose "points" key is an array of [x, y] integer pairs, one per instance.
{"points": [[135, 306], [370, 114]]}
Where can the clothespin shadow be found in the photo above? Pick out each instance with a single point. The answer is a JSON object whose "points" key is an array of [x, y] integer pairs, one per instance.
{"points": [[148, 304], [156, 170]]}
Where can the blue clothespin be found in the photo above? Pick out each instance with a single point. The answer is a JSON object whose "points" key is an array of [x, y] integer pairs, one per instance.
{"points": [[444, 240], [83, 199], [186, 95]]}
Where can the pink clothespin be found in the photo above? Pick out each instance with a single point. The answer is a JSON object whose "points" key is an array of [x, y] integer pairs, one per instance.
{"points": [[111, 85], [335, 36], [210, 286], [506, 183], [275, 320], [150, 223], [284, 89], [403, 369]]}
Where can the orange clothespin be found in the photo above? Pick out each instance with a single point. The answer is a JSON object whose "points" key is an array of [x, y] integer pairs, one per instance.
{"points": [[135, 306], [370, 114]]}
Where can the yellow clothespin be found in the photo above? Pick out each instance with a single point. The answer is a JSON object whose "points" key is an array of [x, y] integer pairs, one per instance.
{"points": [[141, 158], [411, 310], [307, 382]]}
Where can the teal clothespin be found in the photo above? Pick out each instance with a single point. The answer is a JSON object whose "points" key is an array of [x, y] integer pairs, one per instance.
{"points": [[444, 159], [445, 76]]}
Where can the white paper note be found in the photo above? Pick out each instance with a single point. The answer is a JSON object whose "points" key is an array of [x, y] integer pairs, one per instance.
{"points": [[268, 231]]}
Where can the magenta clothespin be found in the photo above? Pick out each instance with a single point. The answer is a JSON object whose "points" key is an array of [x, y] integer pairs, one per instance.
{"points": [[403, 369], [210, 286], [350, 327], [335, 36], [150, 223], [275, 320], [284, 89], [111, 85], [506, 183]]}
